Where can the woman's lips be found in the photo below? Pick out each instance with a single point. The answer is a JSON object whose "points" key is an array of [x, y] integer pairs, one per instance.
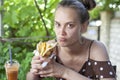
{"points": [[62, 39]]}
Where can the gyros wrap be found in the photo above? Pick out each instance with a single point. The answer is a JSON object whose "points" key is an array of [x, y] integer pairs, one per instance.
{"points": [[45, 49]]}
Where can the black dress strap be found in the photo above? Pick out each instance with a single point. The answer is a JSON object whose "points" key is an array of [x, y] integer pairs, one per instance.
{"points": [[90, 49]]}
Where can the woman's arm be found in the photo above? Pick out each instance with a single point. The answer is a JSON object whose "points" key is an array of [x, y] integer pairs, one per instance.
{"points": [[73, 75], [31, 76]]}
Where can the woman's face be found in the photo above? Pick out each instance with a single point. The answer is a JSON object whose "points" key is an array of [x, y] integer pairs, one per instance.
{"points": [[67, 26]]}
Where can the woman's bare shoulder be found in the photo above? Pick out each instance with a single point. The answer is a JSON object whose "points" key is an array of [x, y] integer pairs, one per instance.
{"points": [[98, 51]]}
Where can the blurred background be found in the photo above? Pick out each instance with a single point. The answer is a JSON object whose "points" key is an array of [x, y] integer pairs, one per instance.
{"points": [[23, 23]]}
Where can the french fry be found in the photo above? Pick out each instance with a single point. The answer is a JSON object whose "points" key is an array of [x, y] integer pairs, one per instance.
{"points": [[45, 49]]}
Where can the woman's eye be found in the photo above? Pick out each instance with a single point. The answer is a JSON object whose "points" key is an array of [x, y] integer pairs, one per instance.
{"points": [[70, 25], [57, 24]]}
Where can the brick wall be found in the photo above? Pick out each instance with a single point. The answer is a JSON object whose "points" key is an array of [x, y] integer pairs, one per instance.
{"points": [[114, 47]]}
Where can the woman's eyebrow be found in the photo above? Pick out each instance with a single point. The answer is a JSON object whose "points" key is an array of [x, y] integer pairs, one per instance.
{"points": [[65, 22], [56, 22]]}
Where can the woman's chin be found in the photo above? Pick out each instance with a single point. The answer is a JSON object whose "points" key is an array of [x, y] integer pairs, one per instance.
{"points": [[62, 44]]}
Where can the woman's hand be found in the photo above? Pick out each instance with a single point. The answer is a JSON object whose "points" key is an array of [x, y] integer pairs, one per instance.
{"points": [[53, 69], [36, 64]]}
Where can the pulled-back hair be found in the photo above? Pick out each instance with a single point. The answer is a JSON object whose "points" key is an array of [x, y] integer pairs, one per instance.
{"points": [[82, 7]]}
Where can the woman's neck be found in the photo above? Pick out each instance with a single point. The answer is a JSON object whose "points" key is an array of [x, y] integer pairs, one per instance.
{"points": [[72, 50], [71, 53]]}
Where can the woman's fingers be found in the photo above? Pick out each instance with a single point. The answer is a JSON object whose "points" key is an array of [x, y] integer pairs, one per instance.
{"points": [[45, 73], [34, 71], [41, 72], [35, 57], [36, 62], [37, 66], [38, 58]]}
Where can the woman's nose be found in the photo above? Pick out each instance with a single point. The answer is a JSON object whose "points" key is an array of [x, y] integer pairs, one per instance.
{"points": [[63, 31]]}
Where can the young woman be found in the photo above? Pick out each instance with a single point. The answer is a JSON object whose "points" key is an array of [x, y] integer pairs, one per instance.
{"points": [[77, 57]]}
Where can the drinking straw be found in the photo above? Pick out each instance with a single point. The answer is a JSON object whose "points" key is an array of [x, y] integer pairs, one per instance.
{"points": [[10, 54]]}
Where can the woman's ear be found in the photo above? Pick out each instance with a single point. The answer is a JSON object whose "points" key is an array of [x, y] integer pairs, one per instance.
{"points": [[84, 26]]}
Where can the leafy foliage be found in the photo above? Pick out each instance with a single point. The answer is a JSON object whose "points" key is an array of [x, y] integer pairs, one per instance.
{"points": [[3, 58], [104, 5], [23, 28], [109, 5]]}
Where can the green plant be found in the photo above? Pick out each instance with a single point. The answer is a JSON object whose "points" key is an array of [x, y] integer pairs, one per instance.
{"points": [[4, 56], [23, 29]]}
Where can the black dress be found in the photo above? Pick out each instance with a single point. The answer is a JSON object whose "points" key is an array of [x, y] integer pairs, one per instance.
{"points": [[95, 70]]}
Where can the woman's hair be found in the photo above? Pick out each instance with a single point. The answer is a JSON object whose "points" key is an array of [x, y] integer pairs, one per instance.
{"points": [[82, 7]]}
